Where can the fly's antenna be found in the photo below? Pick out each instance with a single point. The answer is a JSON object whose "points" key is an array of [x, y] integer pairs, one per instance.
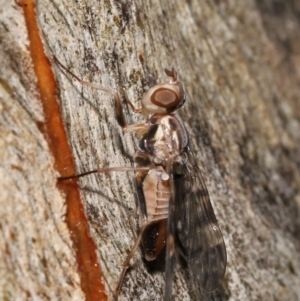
{"points": [[173, 74]]}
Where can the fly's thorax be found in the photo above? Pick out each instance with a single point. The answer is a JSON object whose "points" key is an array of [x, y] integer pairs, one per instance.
{"points": [[166, 138]]}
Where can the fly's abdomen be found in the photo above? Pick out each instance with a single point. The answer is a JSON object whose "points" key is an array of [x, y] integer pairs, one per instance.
{"points": [[156, 189]]}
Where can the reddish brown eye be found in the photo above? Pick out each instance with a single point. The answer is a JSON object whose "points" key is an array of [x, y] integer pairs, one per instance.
{"points": [[164, 98]]}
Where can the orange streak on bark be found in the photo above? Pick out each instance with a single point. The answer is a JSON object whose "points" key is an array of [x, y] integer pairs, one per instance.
{"points": [[53, 128]]}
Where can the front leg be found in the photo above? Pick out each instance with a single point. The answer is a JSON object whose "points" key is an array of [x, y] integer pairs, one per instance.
{"points": [[117, 100], [138, 128]]}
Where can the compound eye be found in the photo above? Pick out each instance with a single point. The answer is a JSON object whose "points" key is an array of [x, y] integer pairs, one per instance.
{"points": [[165, 98]]}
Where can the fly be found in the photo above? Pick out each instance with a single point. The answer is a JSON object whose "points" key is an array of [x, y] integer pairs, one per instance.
{"points": [[174, 203]]}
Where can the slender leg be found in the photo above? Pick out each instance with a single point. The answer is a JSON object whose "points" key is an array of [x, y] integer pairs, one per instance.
{"points": [[105, 169], [126, 262], [139, 128], [135, 110], [118, 105]]}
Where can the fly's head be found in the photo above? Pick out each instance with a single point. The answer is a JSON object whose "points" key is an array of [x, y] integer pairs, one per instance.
{"points": [[164, 98]]}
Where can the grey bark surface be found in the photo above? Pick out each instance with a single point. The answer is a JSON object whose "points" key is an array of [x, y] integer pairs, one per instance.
{"points": [[37, 261], [239, 62]]}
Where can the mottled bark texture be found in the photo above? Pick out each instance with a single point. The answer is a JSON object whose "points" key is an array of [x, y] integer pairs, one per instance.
{"points": [[239, 61]]}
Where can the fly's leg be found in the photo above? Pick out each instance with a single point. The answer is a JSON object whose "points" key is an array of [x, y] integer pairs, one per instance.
{"points": [[138, 169], [141, 170], [143, 162], [133, 108], [138, 128], [126, 262], [105, 169], [118, 105]]}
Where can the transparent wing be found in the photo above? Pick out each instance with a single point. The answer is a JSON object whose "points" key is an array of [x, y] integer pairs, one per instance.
{"points": [[197, 227]]}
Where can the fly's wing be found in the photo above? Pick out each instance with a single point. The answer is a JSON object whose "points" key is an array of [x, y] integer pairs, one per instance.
{"points": [[170, 252], [197, 227]]}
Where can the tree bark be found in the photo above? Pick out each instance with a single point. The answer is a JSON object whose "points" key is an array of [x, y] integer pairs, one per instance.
{"points": [[239, 62], [37, 259]]}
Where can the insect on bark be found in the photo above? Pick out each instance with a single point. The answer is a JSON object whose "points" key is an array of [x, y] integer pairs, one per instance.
{"points": [[174, 204]]}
